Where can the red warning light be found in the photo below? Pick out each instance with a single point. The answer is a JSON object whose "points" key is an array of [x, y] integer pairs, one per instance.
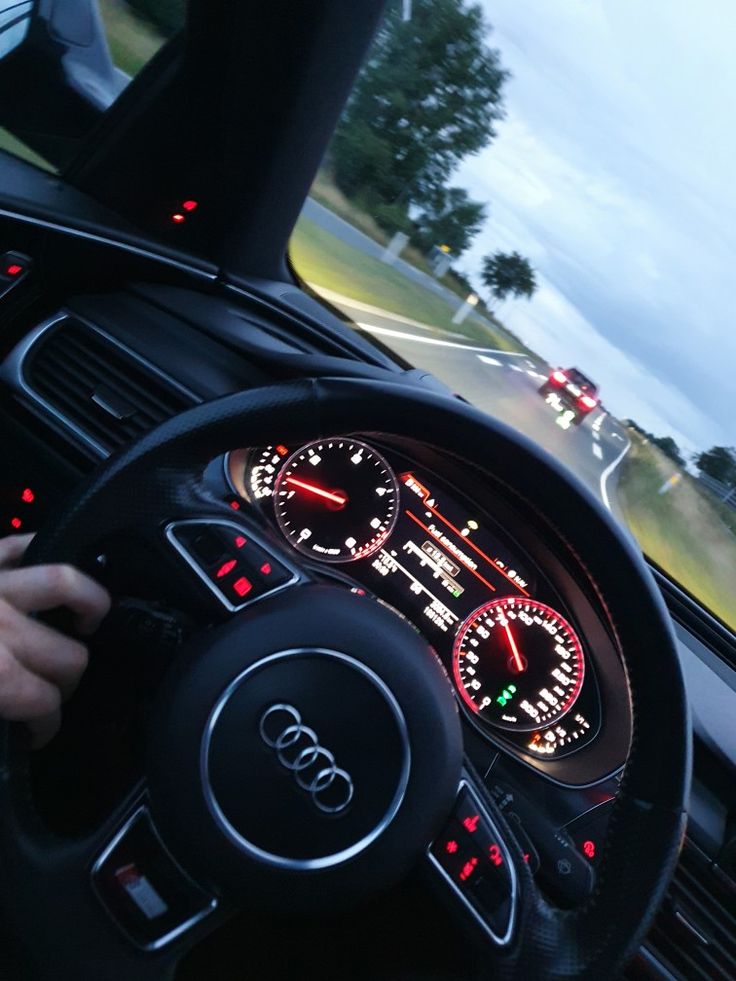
{"points": [[240, 541], [242, 586], [494, 853], [467, 870], [281, 450], [16, 523], [527, 856], [235, 505], [226, 567], [28, 497], [266, 569], [589, 849], [189, 205], [471, 823], [451, 847], [178, 218], [13, 269]]}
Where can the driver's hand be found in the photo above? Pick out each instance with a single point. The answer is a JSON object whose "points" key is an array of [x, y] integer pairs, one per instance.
{"points": [[40, 667]]}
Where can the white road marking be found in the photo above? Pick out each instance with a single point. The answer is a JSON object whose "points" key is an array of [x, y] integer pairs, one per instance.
{"points": [[486, 360], [607, 473], [515, 367], [388, 332], [597, 451]]}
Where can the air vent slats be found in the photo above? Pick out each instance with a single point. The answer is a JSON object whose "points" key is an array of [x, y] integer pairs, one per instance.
{"points": [[703, 947], [121, 374], [98, 387]]}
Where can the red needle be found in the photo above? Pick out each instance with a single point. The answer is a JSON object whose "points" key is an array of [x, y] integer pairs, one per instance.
{"points": [[514, 648], [335, 498]]}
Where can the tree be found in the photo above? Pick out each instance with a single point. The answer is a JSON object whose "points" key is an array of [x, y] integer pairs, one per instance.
{"points": [[669, 447], [718, 462], [450, 218], [428, 96], [508, 274]]}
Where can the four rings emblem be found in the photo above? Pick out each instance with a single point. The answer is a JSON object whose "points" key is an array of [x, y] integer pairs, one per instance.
{"points": [[298, 750]]}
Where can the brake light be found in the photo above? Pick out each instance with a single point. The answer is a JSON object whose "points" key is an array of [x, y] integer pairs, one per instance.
{"points": [[558, 377], [587, 401]]}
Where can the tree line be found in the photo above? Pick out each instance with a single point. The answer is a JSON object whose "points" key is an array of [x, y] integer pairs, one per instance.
{"points": [[429, 96], [719, 462]]}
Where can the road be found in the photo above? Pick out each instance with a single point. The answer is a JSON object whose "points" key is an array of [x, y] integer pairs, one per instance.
{"points": [[506, 386]]}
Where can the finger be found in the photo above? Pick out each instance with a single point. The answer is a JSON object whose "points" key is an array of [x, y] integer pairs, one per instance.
{"points": [[24, 696], [44, 729], [39, 649], [12, 549], [44, 587]]}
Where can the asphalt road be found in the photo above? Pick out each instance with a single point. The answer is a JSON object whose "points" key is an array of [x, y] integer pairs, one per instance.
{"points": [[506, 386]]}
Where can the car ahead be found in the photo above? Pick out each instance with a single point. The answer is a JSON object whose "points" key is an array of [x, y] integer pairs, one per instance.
{"points": [[568, 390]]}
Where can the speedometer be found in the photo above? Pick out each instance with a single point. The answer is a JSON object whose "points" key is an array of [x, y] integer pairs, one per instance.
{"points": [[518, 664], [336, 500]]}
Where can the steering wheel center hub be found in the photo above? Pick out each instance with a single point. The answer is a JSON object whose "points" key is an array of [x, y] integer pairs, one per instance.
{"points": [[314, 737], [305, 758]]}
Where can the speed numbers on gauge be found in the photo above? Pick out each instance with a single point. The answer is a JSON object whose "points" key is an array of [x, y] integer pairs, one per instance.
{"points": [[336, 500], [518, 664]]}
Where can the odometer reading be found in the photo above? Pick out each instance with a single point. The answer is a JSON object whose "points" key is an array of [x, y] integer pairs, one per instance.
{"points": [[336, 500], [518, 664]]}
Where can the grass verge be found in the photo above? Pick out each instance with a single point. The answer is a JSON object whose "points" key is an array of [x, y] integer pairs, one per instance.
{"points": [[682, 530], [325, 260], [132, 40]]}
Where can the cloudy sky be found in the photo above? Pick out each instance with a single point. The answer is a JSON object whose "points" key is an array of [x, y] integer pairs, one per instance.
{"points": [[615, 172]]}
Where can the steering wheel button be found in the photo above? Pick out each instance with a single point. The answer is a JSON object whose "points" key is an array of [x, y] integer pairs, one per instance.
{"points": [[242, 586]]}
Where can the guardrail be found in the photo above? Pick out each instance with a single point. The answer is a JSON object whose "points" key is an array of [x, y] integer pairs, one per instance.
{"points": [[724, 492]]}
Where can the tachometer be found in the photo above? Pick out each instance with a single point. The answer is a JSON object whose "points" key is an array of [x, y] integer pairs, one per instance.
{"points": [[518, 664], [336, 500]]}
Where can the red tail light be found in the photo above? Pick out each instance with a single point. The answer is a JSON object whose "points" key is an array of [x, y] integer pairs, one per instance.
{"points": [[558, 377], [587, 402]]}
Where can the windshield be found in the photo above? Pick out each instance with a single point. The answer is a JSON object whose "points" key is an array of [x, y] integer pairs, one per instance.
{"points": [[516, 187], [78, 57]]}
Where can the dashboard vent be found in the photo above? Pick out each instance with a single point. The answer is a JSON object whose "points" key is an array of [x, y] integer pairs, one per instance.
{"points": [[694, 935], [103, 391]]}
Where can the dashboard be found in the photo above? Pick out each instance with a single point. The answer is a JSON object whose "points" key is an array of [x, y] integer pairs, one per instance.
{"points": [[532, 665]]}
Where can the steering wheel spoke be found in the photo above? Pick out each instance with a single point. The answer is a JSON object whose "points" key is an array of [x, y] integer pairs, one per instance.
{"points": [[478, 864], [113, 903], [236, 564]]}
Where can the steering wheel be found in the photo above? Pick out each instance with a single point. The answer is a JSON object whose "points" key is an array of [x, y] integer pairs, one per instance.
{"points": [[307, 752]]}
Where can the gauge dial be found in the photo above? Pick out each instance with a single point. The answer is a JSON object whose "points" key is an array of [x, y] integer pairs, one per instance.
{"points": [[518, 664], [336, 500], [264, 466]]}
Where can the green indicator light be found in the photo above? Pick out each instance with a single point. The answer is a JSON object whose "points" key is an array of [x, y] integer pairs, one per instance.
{"points": [[512, 689], [501, 700]]}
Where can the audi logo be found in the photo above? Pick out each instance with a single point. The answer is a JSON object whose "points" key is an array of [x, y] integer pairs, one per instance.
{"points": [[313, 767]]}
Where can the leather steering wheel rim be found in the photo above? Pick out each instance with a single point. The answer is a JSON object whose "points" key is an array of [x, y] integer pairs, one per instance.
{"points": [[648, 819]]}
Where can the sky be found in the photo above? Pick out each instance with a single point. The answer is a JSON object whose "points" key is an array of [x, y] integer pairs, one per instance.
{"points": [[615, 173]]}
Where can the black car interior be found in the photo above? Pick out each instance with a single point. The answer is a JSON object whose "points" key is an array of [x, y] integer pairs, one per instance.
{"points": [[158, 383]]}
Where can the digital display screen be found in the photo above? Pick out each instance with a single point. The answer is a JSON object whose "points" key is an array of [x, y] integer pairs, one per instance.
{"points": [[443, 559]]}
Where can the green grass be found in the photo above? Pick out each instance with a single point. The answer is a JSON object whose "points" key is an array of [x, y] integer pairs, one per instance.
{"points": [[325, 260], [683, 530], [133, 41], [13, 145]]}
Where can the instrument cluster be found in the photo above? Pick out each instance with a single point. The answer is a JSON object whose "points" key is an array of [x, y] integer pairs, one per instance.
{"points": [[520, 664]]}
